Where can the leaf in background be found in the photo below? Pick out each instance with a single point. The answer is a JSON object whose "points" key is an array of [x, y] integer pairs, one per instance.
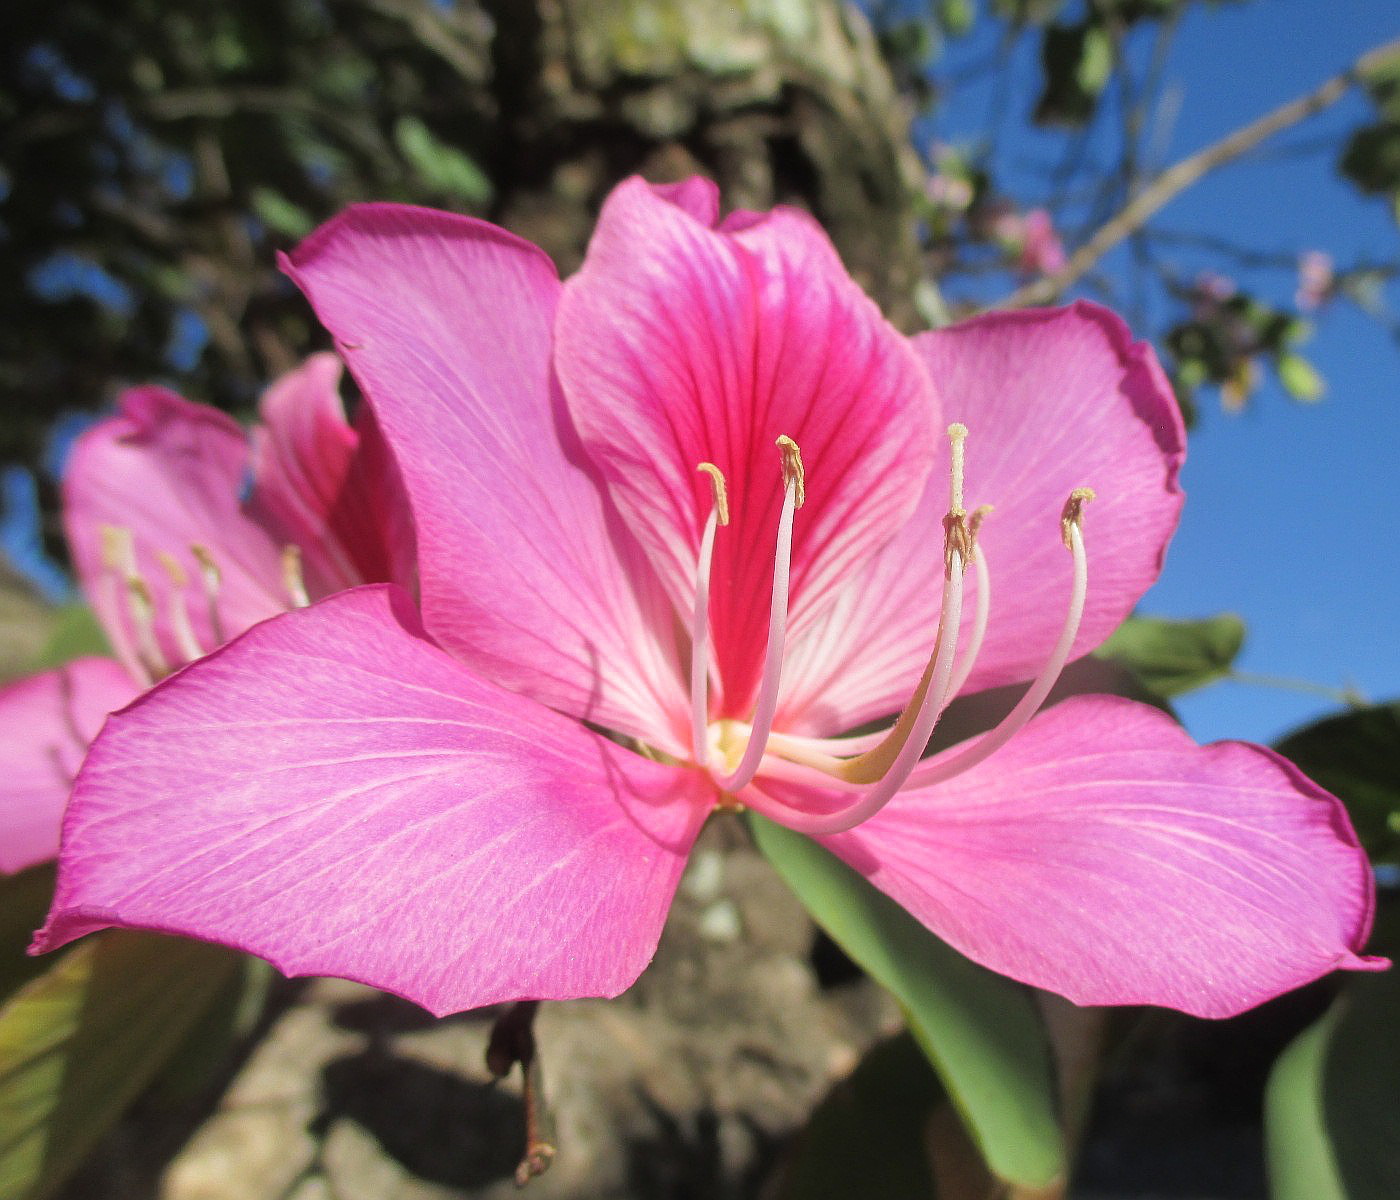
{"points": [[1356, 755], [76, 633], [443, 168], [24, 900], [869, 1136], [1172, 657], [81, 1041], [1332, 1110], [981, 1031], [1300, 379]]}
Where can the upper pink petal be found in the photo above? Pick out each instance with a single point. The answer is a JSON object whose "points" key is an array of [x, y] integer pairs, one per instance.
{"points": [[330, 490], [446, 324], [46, 723], [679, 343], [1104, 856], [333, 792], [171, 473], [1053, 399]]}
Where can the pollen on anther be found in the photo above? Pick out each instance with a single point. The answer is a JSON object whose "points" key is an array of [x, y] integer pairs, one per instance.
{"points": [[1073, 513], [957, 436], [794, 475], [171, 565], [721, 492]]}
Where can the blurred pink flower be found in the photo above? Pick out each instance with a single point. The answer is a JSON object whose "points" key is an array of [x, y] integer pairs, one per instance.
{"points": [[1316, 280], [1042, 252], [175, 561], [609, 539]]}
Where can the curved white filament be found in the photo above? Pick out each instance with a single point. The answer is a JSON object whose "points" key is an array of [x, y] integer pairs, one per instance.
{"points": [[700, 644], [939, 770], [767, 705], [935, 700]]}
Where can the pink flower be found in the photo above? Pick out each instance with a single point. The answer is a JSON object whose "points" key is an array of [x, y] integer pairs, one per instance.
{"points": [[175, 562], [428, 806], [1042, 252], [1316, 279]]}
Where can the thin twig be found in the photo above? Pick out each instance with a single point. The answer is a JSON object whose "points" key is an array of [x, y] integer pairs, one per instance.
{"points": [[513, 1041], [1178, 177]]}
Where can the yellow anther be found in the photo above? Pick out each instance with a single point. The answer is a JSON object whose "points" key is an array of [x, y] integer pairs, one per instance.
{"points": [[721, 492], [118, 551], [957, 435], [292, 578], [172, 567], [207, 566], [793, 474], [974, 522], [956, 536], [1073, 513]]}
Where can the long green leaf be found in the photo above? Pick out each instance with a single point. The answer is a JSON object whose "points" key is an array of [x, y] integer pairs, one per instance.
{"points": [[1332, 1111], [80, 1042], [981, 1031]]}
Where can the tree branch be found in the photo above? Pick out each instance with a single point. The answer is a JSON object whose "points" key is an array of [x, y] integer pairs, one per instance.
{"points": [[1181, 175]]}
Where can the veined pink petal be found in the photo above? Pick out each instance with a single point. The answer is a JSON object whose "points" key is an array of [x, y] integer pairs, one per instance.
{"points": [[525, 574], [1053, 399], [46, 723], [333, 792], [170, 473], [1104, 856], [679, 343]]}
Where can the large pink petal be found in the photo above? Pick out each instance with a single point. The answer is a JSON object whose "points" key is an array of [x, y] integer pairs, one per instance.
{"points": [[446, 323], [1054, 399], [333, 792], [46, 723], [680, 343], [171, 473], [1104, 856]]}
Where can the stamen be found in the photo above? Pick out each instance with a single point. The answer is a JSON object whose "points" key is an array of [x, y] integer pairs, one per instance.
{"points": [[930, 708], [794, 494], [1071, 525], [190, 648], [700, 620], [209, 573], [119, 556], [292, 578], [984, 601]]}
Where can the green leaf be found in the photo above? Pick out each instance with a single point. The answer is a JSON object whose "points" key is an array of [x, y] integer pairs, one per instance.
{"points": [[1172, 657], [1356, 756], [1299, 378], [981, 1031], [80, 1042], [1296, 1146], [1332, 1109], [76, 634], [24, 899], [280, 214], [867, 1138], [443, 168]]}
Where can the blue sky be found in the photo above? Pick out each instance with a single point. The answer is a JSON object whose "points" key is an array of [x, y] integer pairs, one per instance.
{"points": [[1293, 512]]}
